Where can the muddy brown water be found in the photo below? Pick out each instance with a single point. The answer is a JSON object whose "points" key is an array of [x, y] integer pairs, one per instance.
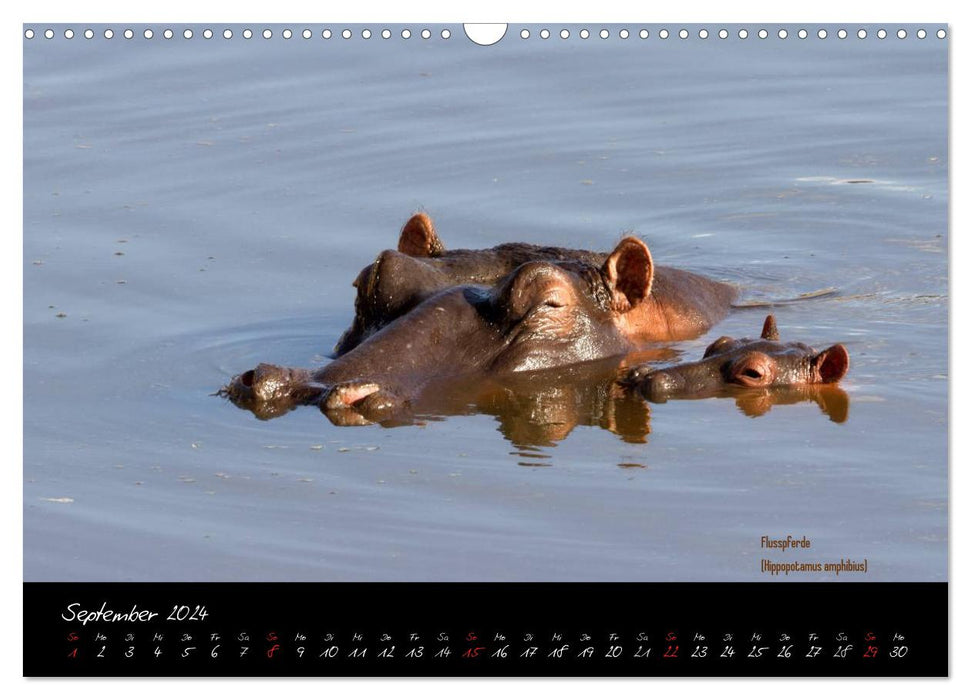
{"points": [[192, 208]]}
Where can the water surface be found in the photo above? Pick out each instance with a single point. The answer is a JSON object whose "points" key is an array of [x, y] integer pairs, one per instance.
{"points": [[192, 208]]}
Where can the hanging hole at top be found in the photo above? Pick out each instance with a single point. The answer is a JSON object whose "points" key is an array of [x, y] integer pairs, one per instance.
{"points": [[485, 34]]}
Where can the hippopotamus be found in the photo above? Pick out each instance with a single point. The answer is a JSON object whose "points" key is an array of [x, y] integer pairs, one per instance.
{"points": [[544, 314], [744, 363], [675, 305]]}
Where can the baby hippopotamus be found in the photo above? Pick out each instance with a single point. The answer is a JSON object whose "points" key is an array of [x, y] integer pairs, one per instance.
{"points": [[675, 305], [729, 362]]}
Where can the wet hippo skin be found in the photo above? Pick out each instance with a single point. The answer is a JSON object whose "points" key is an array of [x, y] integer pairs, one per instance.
{"points": [[542, 315], [759, 373], [680, 304]]}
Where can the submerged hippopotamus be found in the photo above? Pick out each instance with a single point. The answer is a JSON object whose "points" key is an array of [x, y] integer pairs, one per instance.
{"points": [[672, 305], [543, 314], [745, 363]]}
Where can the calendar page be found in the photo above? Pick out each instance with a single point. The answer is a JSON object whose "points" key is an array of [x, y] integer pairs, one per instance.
{"points": [[485, 350]]}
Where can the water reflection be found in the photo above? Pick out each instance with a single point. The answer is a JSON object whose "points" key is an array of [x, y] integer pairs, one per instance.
{"points": [[536, 411], [833, 401]]}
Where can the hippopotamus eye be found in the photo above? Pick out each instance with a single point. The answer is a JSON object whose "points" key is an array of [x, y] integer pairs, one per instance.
{"points": [[753, 369], [555, 299]]}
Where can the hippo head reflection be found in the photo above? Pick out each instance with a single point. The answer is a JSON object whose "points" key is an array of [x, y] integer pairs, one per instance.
{"points": [[537, 410]]}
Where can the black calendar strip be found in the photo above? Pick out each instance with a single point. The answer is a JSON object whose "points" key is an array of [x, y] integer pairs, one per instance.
{"points": [[506, 629]]}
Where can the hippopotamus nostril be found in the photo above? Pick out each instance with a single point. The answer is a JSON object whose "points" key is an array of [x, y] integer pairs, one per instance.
{"points": [[246, 378], [636, 375]]}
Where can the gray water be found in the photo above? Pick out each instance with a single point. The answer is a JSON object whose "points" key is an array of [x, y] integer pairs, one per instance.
{"points": [[192, 208]]}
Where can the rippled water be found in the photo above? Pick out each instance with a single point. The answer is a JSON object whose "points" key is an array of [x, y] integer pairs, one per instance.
{"points": [[192, 208]]}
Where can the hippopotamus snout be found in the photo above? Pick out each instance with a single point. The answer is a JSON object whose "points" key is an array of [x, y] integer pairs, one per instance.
{"points": [[656, 385], [264, 383], [270, 391]]}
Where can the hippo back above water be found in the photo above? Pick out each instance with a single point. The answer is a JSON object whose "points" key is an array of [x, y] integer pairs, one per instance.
{"points": [[674, 304]]}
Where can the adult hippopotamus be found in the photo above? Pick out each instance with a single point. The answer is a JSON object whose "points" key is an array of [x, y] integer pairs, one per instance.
{"points": [[675, 305], [543, 314], [743, 363]]}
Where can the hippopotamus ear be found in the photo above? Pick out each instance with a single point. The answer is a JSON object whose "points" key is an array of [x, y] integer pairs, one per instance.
{"points": [[418, 238], [630, 272], [831, 364], [769, 330]]}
